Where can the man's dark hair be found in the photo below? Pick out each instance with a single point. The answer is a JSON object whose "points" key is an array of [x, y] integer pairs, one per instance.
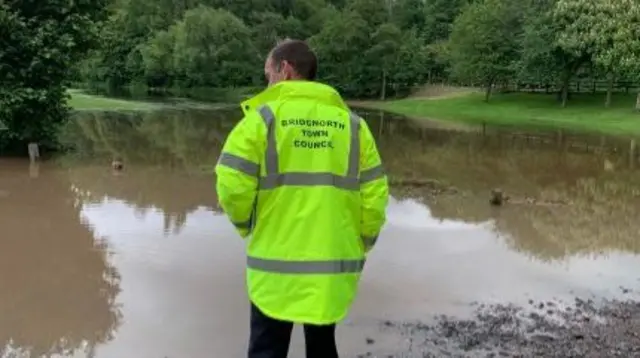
{"points": [[299, 55]]}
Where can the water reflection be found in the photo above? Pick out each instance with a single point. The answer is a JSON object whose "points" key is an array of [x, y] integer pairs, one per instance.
{"points": [[570, 194], [182, 293], [178, 139], [58, 287], [174, 193], [427, 265]]}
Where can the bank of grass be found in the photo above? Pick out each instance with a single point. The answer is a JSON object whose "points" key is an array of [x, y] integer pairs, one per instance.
{"points": [[202, 94], [85, 102], [584, 113], [82, 101]]}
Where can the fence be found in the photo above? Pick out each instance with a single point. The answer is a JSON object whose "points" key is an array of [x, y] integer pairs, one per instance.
{"points": [[576, 86]]}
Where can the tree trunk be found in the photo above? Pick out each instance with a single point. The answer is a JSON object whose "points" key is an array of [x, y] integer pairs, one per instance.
{"points": [[607, 102], [487, 94], [564, 96], [638, 103], [632, 154], [383, 89]]}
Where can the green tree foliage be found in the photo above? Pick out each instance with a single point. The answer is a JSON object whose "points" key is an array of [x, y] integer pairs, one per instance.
{"points": [[539, 58], [208, 47], [439, 16], [39, 43], [271, 26], [384, 52], [374, 12], [153, 42], [484, 43], [340, 46], [409, 14], [543, 59], [213, 47], [608, 31]]}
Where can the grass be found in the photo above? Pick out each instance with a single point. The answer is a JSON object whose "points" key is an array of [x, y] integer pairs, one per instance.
{"points": [[82, 101], [584, 113]]}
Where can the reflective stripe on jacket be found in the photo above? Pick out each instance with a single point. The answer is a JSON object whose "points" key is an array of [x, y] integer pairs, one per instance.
{"points": [[300, 176]]}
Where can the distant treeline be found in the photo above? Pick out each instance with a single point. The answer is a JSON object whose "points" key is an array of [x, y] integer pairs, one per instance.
{"points": [[370, 48]]}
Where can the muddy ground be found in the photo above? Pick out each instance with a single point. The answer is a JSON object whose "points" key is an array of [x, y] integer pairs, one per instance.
{"points": [[584, 328]]}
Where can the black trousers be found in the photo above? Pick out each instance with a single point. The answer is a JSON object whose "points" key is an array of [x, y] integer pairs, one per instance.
{"points": [[270, 338]]}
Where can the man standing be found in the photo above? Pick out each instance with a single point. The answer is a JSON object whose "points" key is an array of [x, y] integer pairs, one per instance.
{"points": [[300, 177]]}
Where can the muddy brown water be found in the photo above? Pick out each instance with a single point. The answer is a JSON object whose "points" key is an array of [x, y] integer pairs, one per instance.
{"points": [[141, 263]]}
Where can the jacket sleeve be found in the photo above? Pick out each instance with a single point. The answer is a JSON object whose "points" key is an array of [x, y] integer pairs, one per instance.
{"points": [[374, 188], [238, 170]]}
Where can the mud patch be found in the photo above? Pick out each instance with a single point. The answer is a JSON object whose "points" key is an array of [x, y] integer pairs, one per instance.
{"points": [[582, 328]]}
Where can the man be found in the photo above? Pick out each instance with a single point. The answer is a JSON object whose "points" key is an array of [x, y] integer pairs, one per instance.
{"points": [[300, 177]]}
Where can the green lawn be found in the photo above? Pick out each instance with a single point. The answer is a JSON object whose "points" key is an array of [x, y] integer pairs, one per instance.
{"points": [[81, 101], [584, 113]]}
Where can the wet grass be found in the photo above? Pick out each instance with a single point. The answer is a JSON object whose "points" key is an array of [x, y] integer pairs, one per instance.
{"points": [[81, 101], [85, 102], [584, 113]]}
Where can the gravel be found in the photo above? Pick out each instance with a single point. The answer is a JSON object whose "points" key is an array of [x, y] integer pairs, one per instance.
{"points": [[582, 328]]}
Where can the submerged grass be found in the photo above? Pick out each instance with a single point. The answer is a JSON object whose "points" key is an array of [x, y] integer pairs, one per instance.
{"points": [[584, 113]]}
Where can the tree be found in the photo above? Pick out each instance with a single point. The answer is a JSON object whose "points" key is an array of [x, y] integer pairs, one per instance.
{"points": [[413, 63], [269, 27], [157, 56], [543, 57], [484, 42], [539, 57], [213, 48], [409, 14], [340, 46], [374, 12], [607, 30], [304, 10], [321, 16], [385, 52], [40, 41], [245, 9], [439, 17]]}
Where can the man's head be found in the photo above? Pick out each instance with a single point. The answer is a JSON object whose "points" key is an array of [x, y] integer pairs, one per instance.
{"points": [[290, 60]]}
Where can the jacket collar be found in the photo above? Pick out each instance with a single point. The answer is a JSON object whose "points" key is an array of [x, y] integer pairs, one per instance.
{"points": [[290, 90]]}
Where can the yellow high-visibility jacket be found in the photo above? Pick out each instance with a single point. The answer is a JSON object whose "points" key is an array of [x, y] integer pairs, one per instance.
{"points": [[300, 177]]}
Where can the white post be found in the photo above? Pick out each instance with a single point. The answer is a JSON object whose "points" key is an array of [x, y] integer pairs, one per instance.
{"points": [[34, 152]]}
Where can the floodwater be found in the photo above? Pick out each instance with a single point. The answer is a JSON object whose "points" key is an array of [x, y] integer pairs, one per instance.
{"points": [[141, 263]]}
